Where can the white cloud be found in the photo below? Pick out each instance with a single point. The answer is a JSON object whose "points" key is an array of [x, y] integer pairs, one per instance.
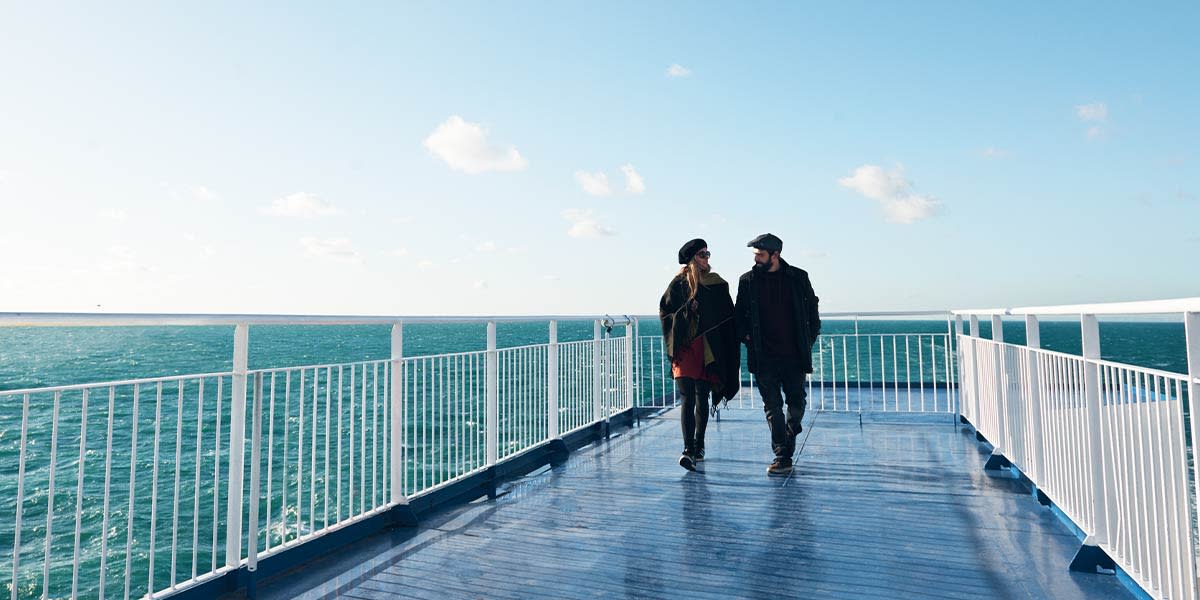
{"points": [[334, 248], [399, 252], [1096, 111], [4, 175], [113, 214], [488, 246], [465, 147], [634, 182], [595, 184], [585, 225], [678, 70], [481, 284], [405, 220], [425, 264], [300, 205], [203, 193], [893, 192], [991, 152]]}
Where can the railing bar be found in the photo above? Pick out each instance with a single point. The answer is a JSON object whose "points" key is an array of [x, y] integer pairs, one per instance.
{"points": [[1153, 407], [1183, 520], [132, 480], [328, 421], [351, 453], [908, 369], [195, 482], [178, 472], [50, 497], [108, 453], [300, 453], [374, 433], [20, 506], [895, 374], [216, 478], [921, 367], [845, 376], [362, 446], [154, 487], [270, 461], [287, 427], [79, 493], [341, 384]]}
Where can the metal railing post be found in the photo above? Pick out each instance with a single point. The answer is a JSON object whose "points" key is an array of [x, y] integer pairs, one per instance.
{"points": [[976, 401], [952, 339], [1096, 434], [397, 437], [1191, 327], [552, 383], [255, 477], [1001, 444], [492, 422], [1033, 389], [598, 411], [629, 383], [237, 440]]}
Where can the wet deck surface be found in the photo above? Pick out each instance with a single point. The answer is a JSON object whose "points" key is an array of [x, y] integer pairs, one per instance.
{"points": [[897, 507]]}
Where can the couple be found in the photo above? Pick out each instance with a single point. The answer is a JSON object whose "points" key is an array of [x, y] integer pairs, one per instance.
{"points": [[775, 316]]}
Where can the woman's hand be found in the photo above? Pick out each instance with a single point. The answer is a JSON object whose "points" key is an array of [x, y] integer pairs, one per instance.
{"points": [[694, 305]]}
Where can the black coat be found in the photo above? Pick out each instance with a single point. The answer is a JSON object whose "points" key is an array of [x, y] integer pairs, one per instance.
{"points": [[804, 303], [714, 319]]}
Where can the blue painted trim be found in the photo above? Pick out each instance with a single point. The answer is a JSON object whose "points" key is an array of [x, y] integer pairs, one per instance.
{"points": [[480, 484], [1128, 582]]}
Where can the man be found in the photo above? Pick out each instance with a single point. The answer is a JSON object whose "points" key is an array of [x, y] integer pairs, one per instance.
{"points": [[777, 319]]}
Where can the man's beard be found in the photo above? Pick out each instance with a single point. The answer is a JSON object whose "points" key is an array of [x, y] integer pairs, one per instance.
{"points": [[762, 266]]}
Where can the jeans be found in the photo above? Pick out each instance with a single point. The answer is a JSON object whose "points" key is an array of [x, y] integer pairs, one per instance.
{"points": [[693, 415], [774, 382]]}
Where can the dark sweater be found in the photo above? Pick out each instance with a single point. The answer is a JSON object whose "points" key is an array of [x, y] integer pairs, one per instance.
{"points": [[778, 316]]}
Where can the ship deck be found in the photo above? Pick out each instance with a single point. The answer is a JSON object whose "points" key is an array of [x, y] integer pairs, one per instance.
{"points": [[892, 506]]}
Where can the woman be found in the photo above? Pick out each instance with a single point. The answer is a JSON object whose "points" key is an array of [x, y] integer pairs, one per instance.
{"points": [[699, 334]]}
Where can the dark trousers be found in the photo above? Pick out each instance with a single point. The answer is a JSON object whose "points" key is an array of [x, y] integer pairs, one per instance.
{"points": [[693, 415], [774, 382]]}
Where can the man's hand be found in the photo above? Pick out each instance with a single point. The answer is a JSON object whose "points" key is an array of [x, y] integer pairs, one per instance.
{"points": [[747, 340]]}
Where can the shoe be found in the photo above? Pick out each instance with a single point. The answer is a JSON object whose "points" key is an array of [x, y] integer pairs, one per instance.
{"points": [[698, 455], [780, 466], [686, 461]]}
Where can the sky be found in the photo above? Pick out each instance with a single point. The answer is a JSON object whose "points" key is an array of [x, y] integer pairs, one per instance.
{"points": [[550, 158]]}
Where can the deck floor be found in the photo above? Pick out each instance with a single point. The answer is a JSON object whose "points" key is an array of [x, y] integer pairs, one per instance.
{"points": [[897, 507]]}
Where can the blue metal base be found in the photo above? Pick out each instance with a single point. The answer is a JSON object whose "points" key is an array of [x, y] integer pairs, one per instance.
{"points": [[1042, 498], [996, 462], [1089, 558]]}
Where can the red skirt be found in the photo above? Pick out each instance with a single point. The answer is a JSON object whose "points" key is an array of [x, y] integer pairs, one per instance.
{"points": [[689, 362]]}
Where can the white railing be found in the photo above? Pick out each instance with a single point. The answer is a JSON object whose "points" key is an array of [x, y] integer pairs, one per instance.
{"points": [[855, 372], [1111, 444], [203, 474]]}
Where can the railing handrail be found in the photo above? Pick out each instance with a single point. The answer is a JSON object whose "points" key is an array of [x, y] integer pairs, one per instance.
{"points": [[68, 319], [1141, 307]]}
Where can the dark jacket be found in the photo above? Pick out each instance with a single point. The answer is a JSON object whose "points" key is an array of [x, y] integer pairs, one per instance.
{"points": [[749, 323], [714, 319]]}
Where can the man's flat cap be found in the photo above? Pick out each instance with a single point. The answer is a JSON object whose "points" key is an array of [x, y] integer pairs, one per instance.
{"points": [[768, 242], [690, 249]]}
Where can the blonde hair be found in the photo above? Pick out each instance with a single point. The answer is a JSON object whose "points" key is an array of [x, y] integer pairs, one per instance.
{"points": [[691, 273]]}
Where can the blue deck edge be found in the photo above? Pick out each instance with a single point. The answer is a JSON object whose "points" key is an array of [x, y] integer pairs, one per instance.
{"points": [[997, 462], [243, 582]]}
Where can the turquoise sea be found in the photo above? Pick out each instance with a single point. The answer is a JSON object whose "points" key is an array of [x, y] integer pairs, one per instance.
{"points": [[39, 357]]}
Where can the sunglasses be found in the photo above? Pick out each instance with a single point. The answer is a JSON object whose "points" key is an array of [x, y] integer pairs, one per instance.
{"points": [[703, 254]]}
